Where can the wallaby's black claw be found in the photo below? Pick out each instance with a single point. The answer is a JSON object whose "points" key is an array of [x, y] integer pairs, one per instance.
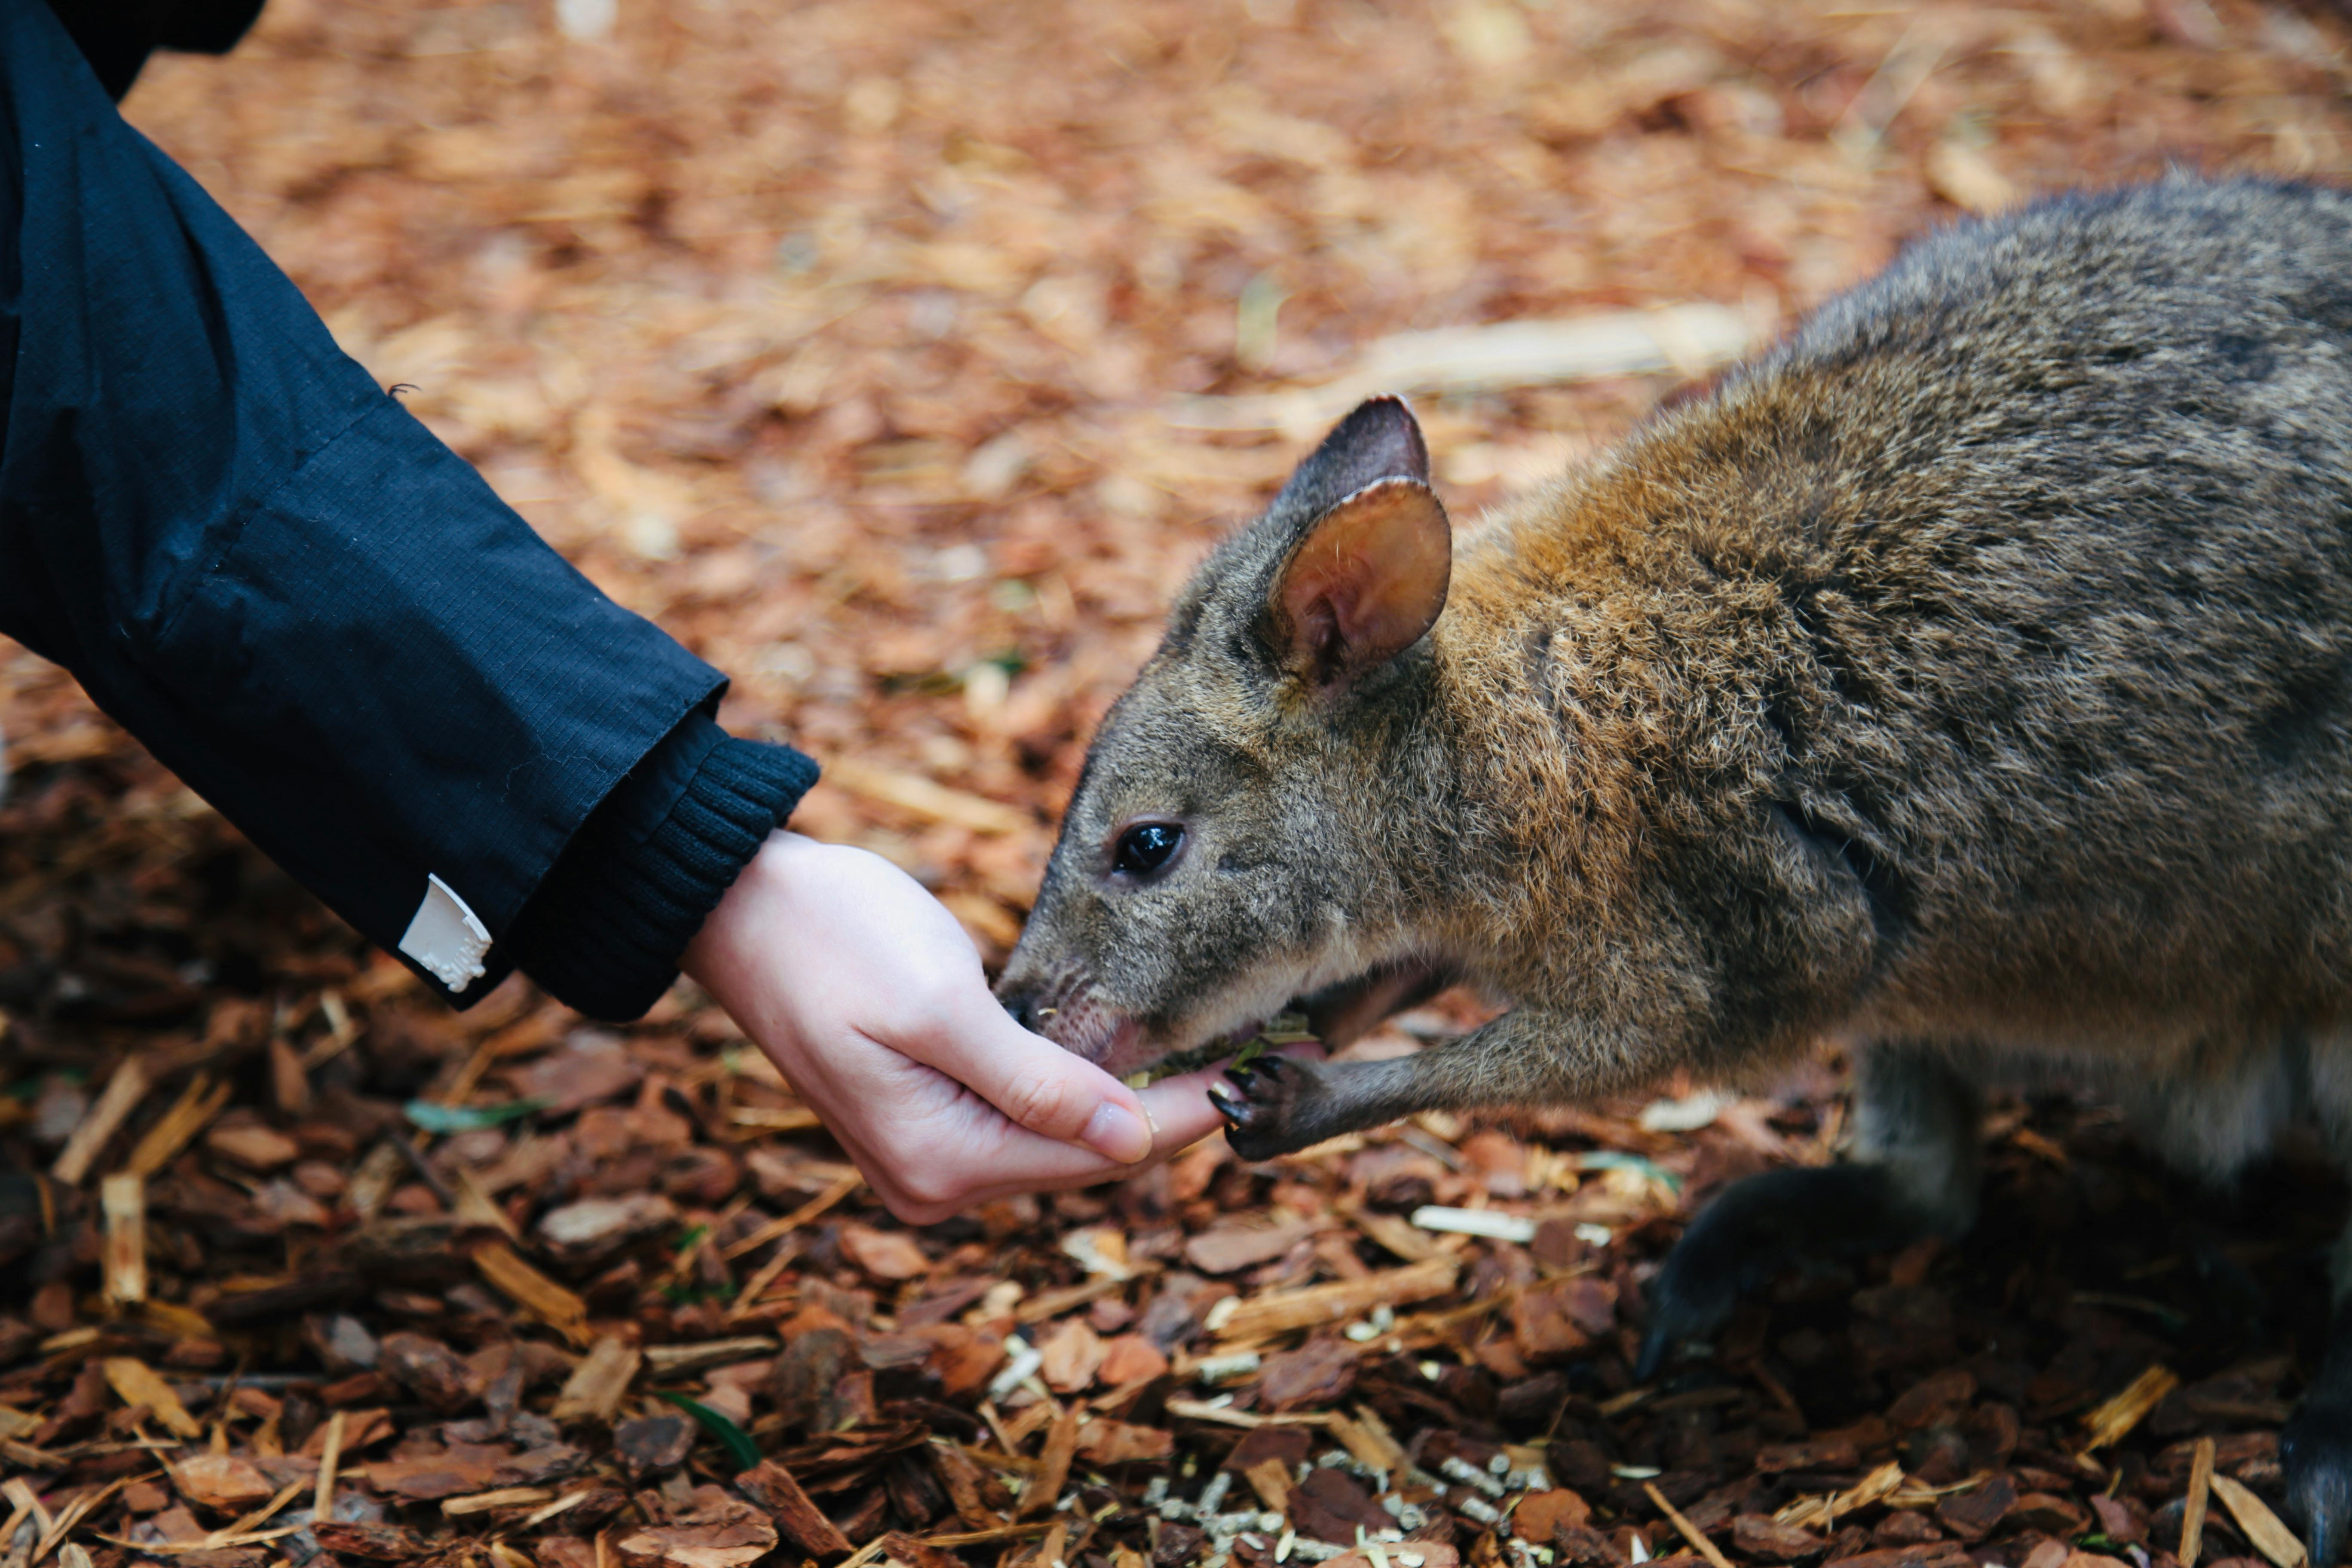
{"points": [[1655, 1346], [1682, 1309], [1269, 1109], [2316, 1453], [2323, 1526]]}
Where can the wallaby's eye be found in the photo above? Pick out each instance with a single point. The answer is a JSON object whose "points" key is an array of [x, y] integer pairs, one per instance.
{"points": [[1146, 846]]}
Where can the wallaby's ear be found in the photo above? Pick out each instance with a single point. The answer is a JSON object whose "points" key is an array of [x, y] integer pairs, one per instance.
{"points": [[1380, 441], [1369, 574]]}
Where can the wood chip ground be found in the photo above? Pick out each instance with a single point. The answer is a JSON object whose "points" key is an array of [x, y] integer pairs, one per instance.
{"points": [[900, 357]]}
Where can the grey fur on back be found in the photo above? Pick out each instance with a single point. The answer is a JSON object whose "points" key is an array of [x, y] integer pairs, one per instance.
{"points": [[2088, 703]]}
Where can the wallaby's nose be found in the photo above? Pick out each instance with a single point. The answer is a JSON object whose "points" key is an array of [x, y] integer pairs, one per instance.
{"points": [[1022, 1005]]}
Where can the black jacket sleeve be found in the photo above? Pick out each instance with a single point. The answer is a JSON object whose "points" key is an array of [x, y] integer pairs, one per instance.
{"points": [[117, 36], [605, 928], [306, 606]]}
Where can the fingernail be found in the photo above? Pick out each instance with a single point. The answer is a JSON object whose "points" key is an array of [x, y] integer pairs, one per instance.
{"points": [[1115, 1133]]}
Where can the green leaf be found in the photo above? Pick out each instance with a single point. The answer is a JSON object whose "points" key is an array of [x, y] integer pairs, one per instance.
{"points": [[1288, 1029], [1611, 1160], [435, 1118], [733, 1438]]}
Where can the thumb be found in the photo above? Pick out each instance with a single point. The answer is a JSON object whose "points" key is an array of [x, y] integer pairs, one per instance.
{"points": [[1043, 1087]]}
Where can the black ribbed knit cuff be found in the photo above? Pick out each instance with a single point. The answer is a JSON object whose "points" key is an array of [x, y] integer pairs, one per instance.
{"points": [[603, 931]]}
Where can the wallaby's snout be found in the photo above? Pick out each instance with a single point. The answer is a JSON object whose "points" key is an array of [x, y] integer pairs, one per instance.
{"points": [[1221, 858]]}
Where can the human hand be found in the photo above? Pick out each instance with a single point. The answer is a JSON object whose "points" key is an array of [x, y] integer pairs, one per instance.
{"points": [[870, 998]]}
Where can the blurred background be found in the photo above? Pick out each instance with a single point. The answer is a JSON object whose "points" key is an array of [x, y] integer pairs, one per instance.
{"points": [[901, 357]]}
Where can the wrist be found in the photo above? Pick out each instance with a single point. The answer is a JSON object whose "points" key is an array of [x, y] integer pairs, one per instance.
{"points": [[744, 903], [606, 928]]}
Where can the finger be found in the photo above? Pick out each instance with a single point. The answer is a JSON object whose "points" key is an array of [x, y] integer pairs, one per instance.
{"points": [[1177, 1109], [979, 1155], [971, 1154], [1180, 1110], [940, 1147], [1038, 1084], [941, 1184], [1182, 1113]]}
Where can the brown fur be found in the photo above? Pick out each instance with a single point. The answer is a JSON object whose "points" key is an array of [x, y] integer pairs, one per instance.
{"points": [[1970, 679], [1970, 668]]}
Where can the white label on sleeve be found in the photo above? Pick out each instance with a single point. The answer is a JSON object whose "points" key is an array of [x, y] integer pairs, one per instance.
{"points": [[446, 937]]}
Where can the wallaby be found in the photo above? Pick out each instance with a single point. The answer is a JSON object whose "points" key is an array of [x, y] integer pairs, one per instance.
{"points": [[1968, 679]]}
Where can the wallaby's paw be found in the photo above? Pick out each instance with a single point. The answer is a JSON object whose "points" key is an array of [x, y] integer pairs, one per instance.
{"points": [[1755, 1228], [1686, 1305], [1268, 1110], [2315, 1452]]}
